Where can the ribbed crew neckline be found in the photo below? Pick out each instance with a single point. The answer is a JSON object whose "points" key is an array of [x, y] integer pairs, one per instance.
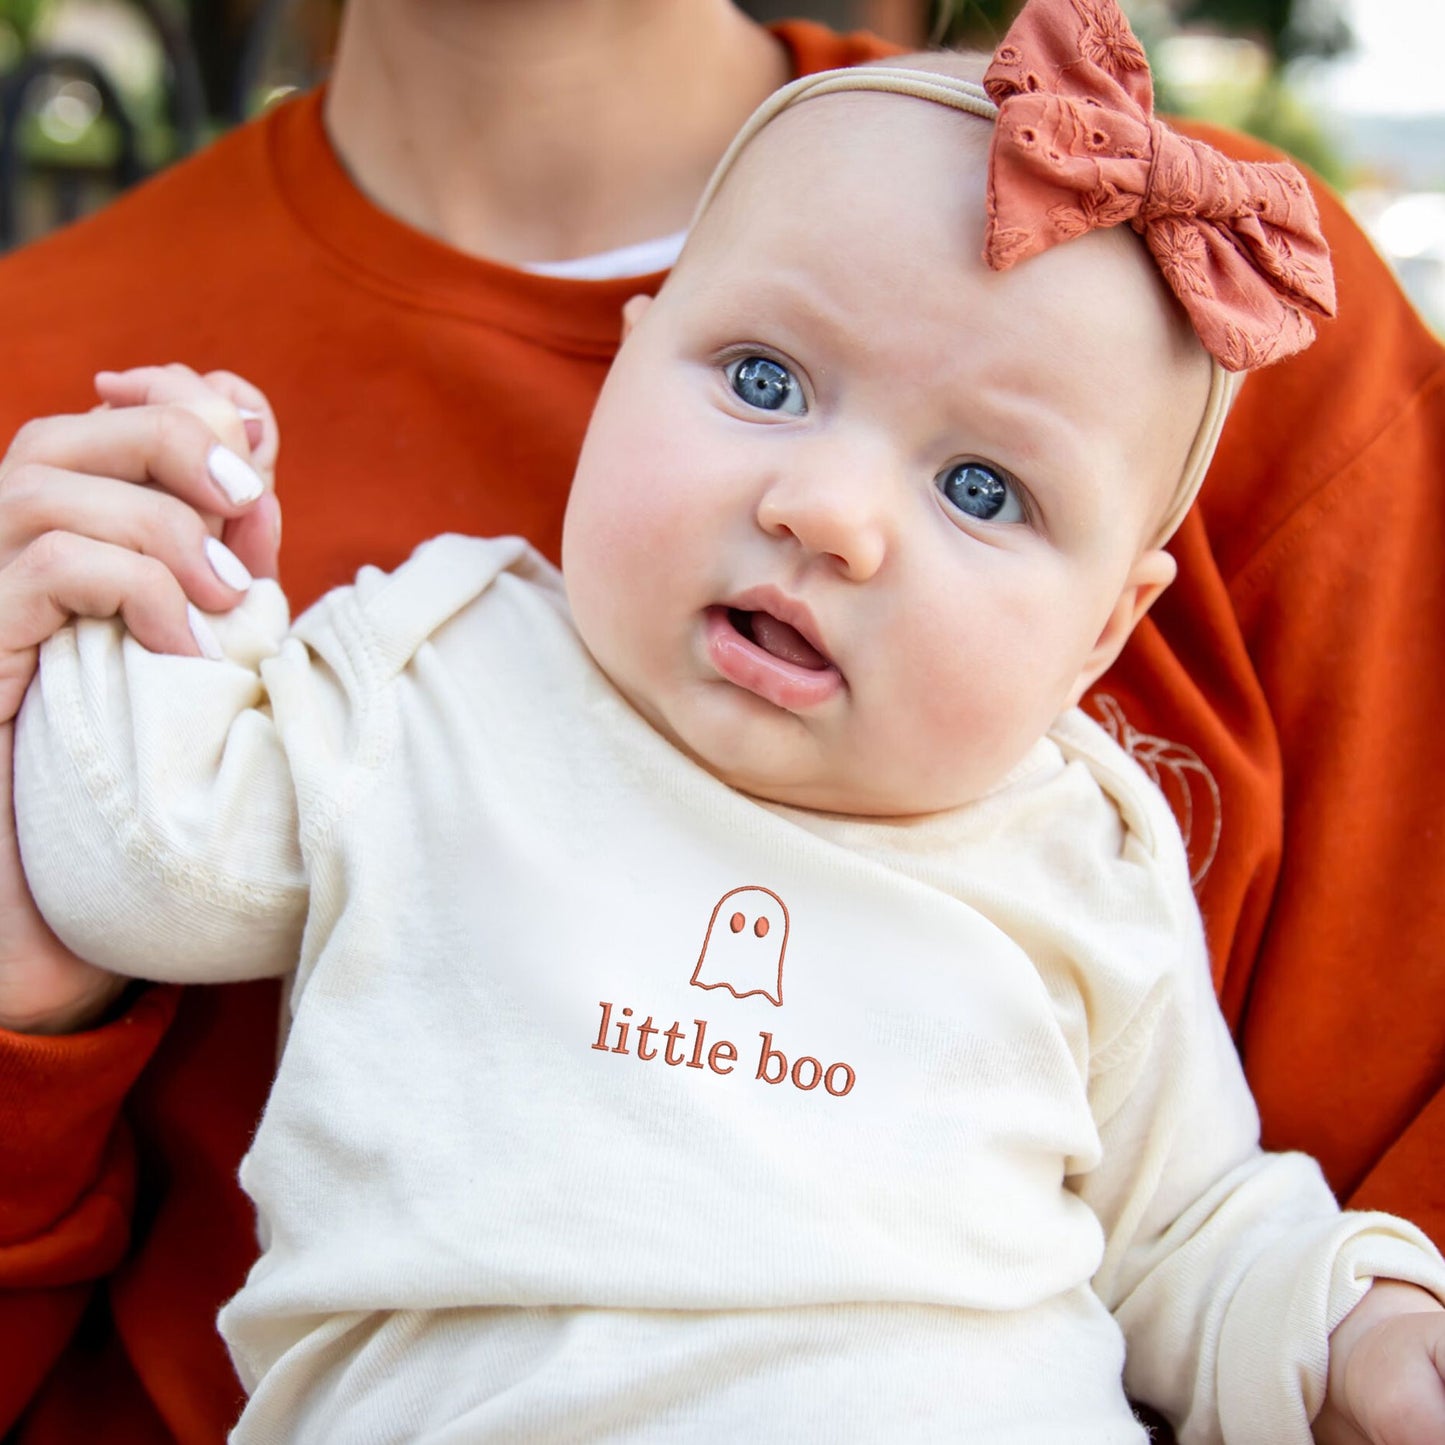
{"points": [[388, 256]]}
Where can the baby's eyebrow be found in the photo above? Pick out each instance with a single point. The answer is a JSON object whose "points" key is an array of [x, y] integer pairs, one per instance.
{"points": [[1031, 435], [790, 306]]}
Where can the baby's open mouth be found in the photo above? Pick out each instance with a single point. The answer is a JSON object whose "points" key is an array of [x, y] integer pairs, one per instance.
{"points": [[778, 638], [756, 650]]}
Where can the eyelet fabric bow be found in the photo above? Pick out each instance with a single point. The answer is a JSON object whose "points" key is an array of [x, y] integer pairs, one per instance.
{"points": [[1077, 149]]}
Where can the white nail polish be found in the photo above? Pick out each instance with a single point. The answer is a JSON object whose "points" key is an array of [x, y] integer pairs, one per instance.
{"points": [[233, 476], [201, 631], [227, 565], [248, 413]]}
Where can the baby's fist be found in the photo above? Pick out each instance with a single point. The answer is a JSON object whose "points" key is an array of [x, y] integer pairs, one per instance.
{"points": [[1387, 1371]]}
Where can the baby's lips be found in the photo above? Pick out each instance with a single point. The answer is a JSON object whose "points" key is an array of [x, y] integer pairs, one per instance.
{"points": [[777, 680], [778, 607]]}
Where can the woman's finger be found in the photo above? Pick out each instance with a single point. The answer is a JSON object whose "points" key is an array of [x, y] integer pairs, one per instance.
{"points": [[61, 575], [177, 385], [261, 428], [39, 501], [255, 537], [167, 446], [150, 385]]}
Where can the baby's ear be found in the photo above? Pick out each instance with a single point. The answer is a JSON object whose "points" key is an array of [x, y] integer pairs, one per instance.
{"points": [[632, 310], [1151, 573]]}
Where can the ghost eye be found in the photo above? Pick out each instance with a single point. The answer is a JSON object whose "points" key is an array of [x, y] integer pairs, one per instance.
{"points": [[766, 385], [981, 492]]}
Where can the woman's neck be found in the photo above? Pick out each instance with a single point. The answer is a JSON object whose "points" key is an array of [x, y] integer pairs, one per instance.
{"points": [[541, 130]]}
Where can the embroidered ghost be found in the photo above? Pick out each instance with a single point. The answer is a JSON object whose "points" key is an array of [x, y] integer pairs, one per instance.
{"points": [[747, 937]]}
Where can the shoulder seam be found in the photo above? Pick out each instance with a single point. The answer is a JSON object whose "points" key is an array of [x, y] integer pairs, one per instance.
{"points": [[1253, 570]]}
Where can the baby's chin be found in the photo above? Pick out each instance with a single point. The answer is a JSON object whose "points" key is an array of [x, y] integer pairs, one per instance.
{"points": [[801, 771], [854, 789], [887, 799]]}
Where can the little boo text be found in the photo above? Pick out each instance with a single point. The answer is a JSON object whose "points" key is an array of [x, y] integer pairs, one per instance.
{"points": [[682, 1047]]}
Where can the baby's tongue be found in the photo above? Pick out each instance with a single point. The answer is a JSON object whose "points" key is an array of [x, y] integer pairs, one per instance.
{"points": [[775, 636]]}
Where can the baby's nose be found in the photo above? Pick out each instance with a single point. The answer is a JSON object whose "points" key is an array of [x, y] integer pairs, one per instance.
{"points": [[834, 505]]}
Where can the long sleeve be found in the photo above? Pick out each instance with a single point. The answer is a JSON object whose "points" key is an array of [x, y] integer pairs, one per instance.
{"points": [[155, 805], [65, 1214], [1226, 1267]]}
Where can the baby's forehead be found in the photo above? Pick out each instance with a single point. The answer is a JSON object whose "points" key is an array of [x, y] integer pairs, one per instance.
{"points": [[833, 122], [849, 129], [838, 165], [897, 185], [846, 163]]}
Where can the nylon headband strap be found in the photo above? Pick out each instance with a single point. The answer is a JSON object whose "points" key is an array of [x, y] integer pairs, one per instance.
{"points": [[966, 95]]}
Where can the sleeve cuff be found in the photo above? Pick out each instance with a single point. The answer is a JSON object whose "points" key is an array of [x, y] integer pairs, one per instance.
{"points": [[1274, 1353], [61, 1098]]}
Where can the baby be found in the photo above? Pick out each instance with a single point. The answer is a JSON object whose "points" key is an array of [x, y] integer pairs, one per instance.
{"points": [[740, 996]]}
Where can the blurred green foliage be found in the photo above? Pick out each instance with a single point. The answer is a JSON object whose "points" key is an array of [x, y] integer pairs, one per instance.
{"points": [[21, 15]]}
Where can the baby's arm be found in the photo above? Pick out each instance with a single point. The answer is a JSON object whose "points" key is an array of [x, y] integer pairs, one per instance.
{"points": [[1226, 1268], [1387, 1371], [154, 804]]}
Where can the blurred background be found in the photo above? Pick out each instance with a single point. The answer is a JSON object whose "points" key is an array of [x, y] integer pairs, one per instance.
{"points": [[97, 94]]}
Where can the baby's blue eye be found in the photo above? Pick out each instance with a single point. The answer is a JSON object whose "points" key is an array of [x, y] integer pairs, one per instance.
{"points": [[981, 492], [766, 384]]}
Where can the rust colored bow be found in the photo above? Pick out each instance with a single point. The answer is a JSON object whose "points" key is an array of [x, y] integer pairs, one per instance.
{"points": [[1077, 148]]}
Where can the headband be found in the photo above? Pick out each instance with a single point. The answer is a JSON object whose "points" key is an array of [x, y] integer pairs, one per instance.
{"points": [[1076, 148]]}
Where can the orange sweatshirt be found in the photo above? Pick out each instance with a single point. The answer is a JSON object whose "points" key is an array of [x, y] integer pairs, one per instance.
{"points": [[1284, 693]]}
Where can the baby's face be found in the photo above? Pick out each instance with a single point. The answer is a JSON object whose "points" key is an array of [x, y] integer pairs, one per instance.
{"points": [[857, 517]]}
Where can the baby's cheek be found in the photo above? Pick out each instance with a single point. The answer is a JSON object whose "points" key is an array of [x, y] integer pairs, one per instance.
{"points": [[593, 572], [608, 522], [968, 727]]}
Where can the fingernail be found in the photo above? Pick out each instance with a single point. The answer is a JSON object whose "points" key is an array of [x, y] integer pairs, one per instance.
{"points": [[234, 477], [201, 631], [253, 422], [227, 565]]}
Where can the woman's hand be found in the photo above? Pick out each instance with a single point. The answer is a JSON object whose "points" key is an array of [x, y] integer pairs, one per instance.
{"points": [[157, 503]]}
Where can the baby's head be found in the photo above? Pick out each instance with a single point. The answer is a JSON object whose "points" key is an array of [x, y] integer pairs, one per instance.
{"points": [[858, 516]]}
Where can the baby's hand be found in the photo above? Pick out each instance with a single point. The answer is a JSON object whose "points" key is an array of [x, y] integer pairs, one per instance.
{"points": [[1387, 1371]]}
